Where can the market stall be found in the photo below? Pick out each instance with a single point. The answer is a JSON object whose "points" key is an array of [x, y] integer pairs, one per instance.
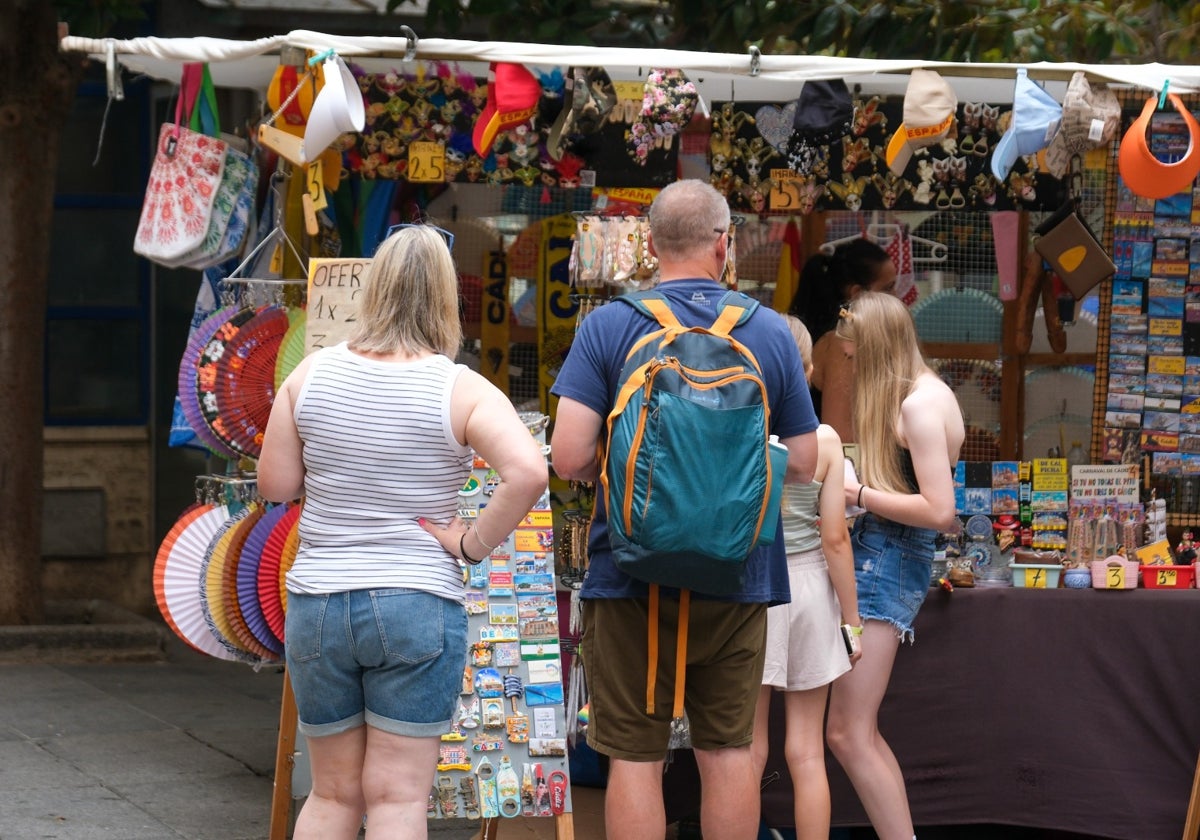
{"points": [[540, 161]]}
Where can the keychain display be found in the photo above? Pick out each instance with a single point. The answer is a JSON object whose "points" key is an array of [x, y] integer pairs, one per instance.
{"points": [[611, 251]]}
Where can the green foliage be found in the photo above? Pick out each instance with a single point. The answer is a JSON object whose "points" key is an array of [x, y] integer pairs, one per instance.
{"points": [[1024, 31], [95, 18]]}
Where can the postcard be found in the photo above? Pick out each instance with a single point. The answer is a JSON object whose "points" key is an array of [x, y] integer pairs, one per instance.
{"points": [[1128, 383], [1164, 384], [534, 583], [1157, 403], [506, 654], [545, 722], [1123, 419], [1167, 463], [1125, 402], [544, 695], [502, 613], [540, 649], [539, 627], [1004, 474], [545, 670], [1160, 441], [1004, 500], [543, 747], [1119, 362]]}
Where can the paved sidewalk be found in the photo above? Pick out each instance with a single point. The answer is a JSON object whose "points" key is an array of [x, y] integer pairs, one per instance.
{"points": [[176, 750], [124, 751]]}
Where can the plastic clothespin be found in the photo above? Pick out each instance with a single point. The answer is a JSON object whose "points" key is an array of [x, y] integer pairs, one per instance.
{"points": [[319, 57], [1162, 97], [112, 72]]}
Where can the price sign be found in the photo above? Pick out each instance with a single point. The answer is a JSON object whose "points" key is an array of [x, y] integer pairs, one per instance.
{"points": [[1115, 579], [785, 190], [1165, 578], [333, 288], [1035, 578], [426, 162], [316, 184]]}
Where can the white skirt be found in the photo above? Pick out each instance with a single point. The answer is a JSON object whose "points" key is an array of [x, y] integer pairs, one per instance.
{"points": [[804, 641]]}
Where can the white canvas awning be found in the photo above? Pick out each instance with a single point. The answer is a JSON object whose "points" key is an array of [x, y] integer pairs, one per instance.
{"points": [[719, 76]]}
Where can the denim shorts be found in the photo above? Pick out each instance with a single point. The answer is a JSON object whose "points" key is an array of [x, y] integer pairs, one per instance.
{"points": [[892, 567], [391, 658]]}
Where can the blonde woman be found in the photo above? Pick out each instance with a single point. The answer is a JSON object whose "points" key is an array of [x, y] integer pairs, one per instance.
{"points": [[910, 431], [805, 647], [377, 433]]}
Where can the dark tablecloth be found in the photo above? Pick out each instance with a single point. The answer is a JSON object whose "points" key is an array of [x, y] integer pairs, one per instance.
{"points": [[1075, 710]]}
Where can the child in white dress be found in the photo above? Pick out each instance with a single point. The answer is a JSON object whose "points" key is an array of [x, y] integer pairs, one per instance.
{"points": [[805, 647]]}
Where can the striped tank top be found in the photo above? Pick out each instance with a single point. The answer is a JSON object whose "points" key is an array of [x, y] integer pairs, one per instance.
{"points": [[378, 453]]}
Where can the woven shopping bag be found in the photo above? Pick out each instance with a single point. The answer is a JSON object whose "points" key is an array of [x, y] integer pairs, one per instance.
{"points": [[235, 194], [183, 183]]}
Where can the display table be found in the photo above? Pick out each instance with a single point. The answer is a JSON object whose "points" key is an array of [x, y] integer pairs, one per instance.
{"points": [[1076, 710], [1069, 710]]}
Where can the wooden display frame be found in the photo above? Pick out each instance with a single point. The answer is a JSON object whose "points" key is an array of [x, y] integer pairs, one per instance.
{"points": [[285, 763]]}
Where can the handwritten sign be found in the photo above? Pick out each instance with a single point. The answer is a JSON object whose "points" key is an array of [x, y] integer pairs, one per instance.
{"points": [[334, 290], [426, 162]]}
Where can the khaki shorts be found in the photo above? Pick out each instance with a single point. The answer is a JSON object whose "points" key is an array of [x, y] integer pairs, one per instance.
{"points": [[725, 650]]}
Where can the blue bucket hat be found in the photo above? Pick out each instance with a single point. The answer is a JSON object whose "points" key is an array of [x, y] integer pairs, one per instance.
{"points": [[1034, 122]]}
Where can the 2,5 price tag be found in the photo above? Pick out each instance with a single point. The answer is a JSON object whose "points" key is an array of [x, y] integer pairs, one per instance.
{"points": [[426, 162]]}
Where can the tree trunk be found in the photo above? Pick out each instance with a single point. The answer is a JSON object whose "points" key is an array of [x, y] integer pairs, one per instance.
{"points": [[37, 85]]}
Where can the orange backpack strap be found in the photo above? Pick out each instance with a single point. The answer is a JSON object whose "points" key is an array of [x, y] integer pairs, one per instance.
{"points": [[681, 638], [662, 313], [729, 318], [651, 648]]}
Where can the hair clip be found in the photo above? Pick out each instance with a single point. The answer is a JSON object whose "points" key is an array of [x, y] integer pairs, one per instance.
{"points": [[845, 314]]}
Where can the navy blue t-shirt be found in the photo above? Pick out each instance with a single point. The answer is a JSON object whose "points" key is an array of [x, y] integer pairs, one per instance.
{"points": [[590, 375]]}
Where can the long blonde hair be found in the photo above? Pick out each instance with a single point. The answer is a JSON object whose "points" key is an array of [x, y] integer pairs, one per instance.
{"points": [[410, 299], [887, 362]]}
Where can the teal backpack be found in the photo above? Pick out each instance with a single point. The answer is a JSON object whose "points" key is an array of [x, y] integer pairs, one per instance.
{"points": [[689, 482]]}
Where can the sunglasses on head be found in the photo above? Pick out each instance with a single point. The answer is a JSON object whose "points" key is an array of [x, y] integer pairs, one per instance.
{"points": [[446, 235]]}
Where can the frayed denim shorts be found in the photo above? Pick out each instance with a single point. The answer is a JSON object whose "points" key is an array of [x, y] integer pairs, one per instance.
{"points": [[892, 567], [391, 658]]}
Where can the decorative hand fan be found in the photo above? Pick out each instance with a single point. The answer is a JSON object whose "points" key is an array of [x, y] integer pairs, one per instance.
{"points": [[186, 518], [181, 581], [245, 384], [976, 385], [209, 585], [205, 384], [291, 349], [228, 586], [268, 570], [247, 578], [286, 558], [189, 398], [961, 315], [1058, 405]]}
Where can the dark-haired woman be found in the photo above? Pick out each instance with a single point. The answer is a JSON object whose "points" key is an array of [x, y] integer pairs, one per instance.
{"points": [[827, 282]]}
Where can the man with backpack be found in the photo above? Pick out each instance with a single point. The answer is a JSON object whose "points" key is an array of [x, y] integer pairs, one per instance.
{"points": [[636, 646]]}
